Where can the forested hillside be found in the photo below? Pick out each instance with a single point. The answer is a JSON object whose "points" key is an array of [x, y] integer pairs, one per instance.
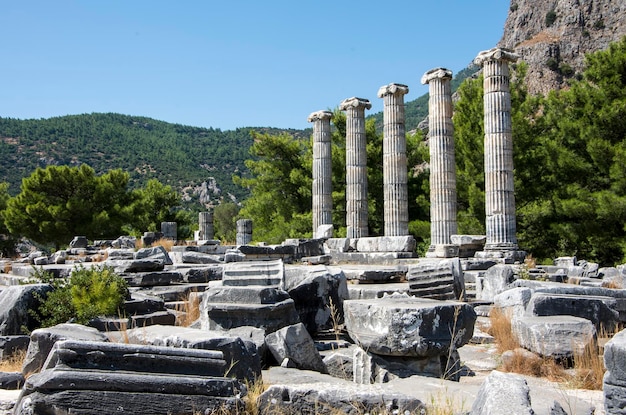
{"points": [[185, 157]]}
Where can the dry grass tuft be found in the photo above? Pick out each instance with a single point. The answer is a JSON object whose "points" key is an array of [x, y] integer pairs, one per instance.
{"points": [[501, 330], [589, 369], [527, 363], [14, 362], [613, 284], [165, 243], [188, 310]]}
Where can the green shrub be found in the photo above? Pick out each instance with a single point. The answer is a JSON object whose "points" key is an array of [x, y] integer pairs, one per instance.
{"points": [[553, 64], [566, 70], [599, 24], [88, 293], [514, 7], [550, 18]]}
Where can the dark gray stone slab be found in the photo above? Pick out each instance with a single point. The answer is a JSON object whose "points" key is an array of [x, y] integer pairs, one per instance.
{"points": [[151, 279], [599, 310], [156, 252], [15, 303], [189, 257], [136, 265], [9, 345]]}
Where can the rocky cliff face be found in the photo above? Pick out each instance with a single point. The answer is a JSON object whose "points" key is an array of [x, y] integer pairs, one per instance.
{"points": [[553, 36]]}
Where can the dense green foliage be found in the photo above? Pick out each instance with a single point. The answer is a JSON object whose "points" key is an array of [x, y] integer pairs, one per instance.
{"points": [[89, 293], [280, 185], [59, 202], [176, 155], [224, 222], [570, 162]]}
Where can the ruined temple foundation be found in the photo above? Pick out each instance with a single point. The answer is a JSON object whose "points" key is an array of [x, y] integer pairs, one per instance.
{"points": [[443, 222], [499, 187], [356, 166], [395, 173], [322, 170]]}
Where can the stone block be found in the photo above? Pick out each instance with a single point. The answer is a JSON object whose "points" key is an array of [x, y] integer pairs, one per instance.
{"points": [[386, 244], [294, 343], [615, 356], [157, 252], [164, 317], [15, 303], [11, 380], [399, 325], [317, 292], [203, 274], [337, 245], [496, 280], [599, 310], [79, 242], [42, 340], [369, 291], [439, 279], [258, 273], [10, 345], [324, 231], [151, 279], [513, 302], [189, 257], [304, 392], [503, 393], [135, 265], [554, 336]]}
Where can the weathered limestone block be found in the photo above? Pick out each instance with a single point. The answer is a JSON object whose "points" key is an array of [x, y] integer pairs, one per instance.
{"points": [[496, 280], [124, 242], [405, 243], [337, 245], [11, 381], [120, 253], [190, 257], [614, 384], [97, 377], [439, 279], [42, 340], [513, 302], [599, 310], [503, 393], [15, 303], [264, 307], [324, 231], [468, 244], [241, 356], [202, 274], [79, 242], [10, 345], [256, 273], [554, 336], [164, 317], [399, 325], [157, 252], [368, 291], [294, 347], [151, 279], [135, 265], [317, 292], [303, 392]]}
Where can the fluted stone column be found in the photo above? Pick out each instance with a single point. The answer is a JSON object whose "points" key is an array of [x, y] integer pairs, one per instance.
{"points": [[443, 222], [499, 196], [244, 231], [322, 169], [205, 225], [356, 166], [396, 207]]}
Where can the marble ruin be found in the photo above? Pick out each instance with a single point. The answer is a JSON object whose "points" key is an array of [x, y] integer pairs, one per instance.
{"points": [[395, 171], [322, 169], [356, 166], [443, 222]]}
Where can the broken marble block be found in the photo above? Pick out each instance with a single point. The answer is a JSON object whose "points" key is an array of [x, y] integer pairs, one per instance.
{"points": [[269, 308], [439, 279], [96, 377], [318, 293], [503, 393], [496, 280], [262, 273], [293, 346], [401, 325], [614, 384], [554, 336]]}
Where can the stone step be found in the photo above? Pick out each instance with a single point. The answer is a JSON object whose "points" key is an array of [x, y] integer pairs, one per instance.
{"points": [[263, 273]]}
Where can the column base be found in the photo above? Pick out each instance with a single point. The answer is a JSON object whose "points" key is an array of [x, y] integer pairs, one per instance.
{"points": [[443, 251], [507, 255]]}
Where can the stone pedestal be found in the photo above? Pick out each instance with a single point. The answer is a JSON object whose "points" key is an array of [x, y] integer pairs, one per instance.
{"points": [[169, 230], [443, 221], [322, 169], [396, 208], [244, 231], [205, 222], [356, 166], [499, 188]]}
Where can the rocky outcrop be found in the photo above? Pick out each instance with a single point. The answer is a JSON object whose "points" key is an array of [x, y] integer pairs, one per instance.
{"points": [[554, 37]]}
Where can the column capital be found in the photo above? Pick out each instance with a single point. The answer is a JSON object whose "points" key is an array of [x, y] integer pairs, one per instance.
{"points": [[319, 115], [436, 73], [496, 54], [392, 89], [355, 102]]}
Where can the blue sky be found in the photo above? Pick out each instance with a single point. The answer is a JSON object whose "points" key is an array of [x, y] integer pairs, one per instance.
{"points": [[228, 64]]}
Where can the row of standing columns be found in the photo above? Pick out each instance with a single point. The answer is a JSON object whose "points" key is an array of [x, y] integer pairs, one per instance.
{"points": [[499, 190]]}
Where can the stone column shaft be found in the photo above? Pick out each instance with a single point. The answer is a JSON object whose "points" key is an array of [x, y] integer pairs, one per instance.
{"points": [[443, 222], [244, 231], [395, 173], [322, 169], [356, 166], [499, 187], [205, 225]]}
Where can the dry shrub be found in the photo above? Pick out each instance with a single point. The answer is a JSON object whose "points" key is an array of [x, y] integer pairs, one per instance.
{"points": [[166, 243], [527, 363], [501, 330], [7, 268], [616, 285], [14, 362], [588, 368], [188, 310]]}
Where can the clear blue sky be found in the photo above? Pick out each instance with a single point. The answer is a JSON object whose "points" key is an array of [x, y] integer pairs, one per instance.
{"points": [[229, 63]]}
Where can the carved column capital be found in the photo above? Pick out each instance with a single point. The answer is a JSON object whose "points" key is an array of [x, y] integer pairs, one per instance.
{"points": [[393, 89], [496, 54], [354, 102], [319, 116], [436, 73]]}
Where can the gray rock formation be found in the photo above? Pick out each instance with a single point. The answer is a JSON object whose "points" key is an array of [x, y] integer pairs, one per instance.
{"points": [[15, 303]]}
